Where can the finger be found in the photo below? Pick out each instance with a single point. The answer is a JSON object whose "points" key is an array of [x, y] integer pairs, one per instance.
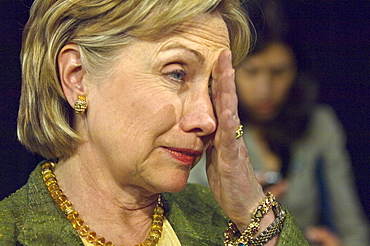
{"points": [[323, 235], [224, 97], [222, 78]]}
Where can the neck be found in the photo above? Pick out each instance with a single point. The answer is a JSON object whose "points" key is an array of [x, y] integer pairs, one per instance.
{"points": [[257, 130], [122, 215], [269, 160]]}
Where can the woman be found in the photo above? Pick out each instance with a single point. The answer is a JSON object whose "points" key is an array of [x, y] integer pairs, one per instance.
{"points": [[301, 156], [296, 146], [152, 84]]}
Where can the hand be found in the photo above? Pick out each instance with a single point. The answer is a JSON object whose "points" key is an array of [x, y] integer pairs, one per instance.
{"points": [[320, 235], [229, 170]]}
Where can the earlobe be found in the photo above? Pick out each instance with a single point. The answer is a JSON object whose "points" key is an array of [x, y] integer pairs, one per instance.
{"points": [[71, 72]]}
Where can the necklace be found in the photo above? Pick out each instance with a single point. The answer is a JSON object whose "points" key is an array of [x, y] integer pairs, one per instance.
{"points": [[78, 223]]}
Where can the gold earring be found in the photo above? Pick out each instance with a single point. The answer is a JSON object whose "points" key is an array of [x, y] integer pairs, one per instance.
{"points": [[80, 105]]}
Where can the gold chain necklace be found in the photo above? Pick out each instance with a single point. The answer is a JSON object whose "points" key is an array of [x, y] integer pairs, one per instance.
{"points": [[78, 223]]}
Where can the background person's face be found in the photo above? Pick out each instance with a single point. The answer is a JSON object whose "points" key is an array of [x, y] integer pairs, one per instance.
{"points": [[150, 119], [264, 79]]}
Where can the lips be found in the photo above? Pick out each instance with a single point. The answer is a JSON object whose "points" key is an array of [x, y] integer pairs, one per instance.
{"points": [[186, 156], [265, 105]]}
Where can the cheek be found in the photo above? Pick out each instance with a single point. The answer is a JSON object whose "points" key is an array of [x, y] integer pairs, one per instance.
{"points": [[243, 86], [245, 92], [130, 130], [141, 116], [132, 101], [282, 88], [153, 118], [129, 112]]}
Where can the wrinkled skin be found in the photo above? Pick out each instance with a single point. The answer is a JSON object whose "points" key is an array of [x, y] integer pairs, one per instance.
{"points": [[148, 122]]}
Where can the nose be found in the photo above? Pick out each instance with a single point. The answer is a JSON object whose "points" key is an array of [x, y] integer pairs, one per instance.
{"points": [[198, 115], [264, 85]]}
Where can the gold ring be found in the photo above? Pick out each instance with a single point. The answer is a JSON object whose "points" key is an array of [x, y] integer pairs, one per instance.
{"points": [[239, 132]]}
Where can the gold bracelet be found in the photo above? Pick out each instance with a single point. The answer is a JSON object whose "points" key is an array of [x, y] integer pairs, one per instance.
{"points": [[263, 208], [269, 202], [271, 231], [265, 205]]}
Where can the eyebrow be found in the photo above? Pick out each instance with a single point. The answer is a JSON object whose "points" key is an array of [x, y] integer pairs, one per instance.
{"points": [[198, 55]]}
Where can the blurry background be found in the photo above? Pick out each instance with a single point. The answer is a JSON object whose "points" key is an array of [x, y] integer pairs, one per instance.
{"points": [[334, 35]]}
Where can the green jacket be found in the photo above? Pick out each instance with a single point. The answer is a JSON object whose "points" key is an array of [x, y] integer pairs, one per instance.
{"points": [[31, 217]]}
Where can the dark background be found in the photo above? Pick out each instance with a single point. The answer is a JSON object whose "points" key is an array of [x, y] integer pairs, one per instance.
{"points": [[334, 34]]}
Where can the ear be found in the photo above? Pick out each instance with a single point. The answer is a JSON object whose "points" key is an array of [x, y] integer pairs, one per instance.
{"points": [[71, 73]]}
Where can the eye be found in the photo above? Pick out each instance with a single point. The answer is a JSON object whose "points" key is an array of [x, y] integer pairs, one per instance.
{"points": [[177, 75], [278, 71], [251, 71]]}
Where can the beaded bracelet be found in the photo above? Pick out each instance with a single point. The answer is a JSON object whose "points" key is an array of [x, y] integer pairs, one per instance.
{"points": [[269, 202]]}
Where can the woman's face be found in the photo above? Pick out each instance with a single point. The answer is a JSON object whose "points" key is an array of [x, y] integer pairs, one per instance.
{"points": [[150, 119], [264, 79]]}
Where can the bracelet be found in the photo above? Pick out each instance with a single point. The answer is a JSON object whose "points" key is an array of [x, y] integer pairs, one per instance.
{"points": [[245, 238], [271, 231], [263, 208]]}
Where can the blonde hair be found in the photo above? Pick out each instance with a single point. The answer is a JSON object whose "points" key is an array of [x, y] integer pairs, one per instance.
{"points": [[99, 28]]}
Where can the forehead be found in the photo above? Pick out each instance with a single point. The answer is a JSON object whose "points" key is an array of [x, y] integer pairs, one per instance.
{"points": [[275, 53], [204, 37], [209, 29]]}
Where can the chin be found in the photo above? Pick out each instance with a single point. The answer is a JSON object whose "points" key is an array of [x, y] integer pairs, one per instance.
{"points": [[173, 183], [264, 117], [177, 185], [177, 189]]}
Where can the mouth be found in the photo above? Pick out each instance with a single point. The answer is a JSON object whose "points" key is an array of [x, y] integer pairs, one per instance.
{"points": [[264, 106], [186, 156]]}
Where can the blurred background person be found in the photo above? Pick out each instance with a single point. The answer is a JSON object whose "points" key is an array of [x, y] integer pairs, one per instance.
{"points": [[297, 146]]}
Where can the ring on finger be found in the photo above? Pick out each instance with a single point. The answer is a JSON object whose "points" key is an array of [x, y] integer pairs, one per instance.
{"points": [[239, 132]]}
